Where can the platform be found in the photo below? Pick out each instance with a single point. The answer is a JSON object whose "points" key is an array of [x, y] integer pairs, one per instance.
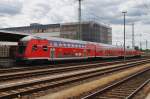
{"points": [[5, 62]]}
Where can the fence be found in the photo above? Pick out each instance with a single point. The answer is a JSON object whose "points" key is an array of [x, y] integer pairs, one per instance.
{"points": [[8, 51]]}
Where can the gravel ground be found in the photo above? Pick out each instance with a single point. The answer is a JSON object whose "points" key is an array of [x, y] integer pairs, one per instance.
{"points": [[148, 97], [144, 93], [6, 62], [147, 91], [83, 88]]}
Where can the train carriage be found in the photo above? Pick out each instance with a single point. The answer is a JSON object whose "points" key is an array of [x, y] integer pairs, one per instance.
{"points": [[33, 48]]}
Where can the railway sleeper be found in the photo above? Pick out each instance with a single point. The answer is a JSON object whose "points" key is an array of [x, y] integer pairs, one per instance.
{"points": [[119, 92], [111, 97], [116, 93]]}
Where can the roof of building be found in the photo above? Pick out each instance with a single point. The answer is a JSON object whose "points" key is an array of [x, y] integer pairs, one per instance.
{"points": [[16, 36], [35, 26], [11, 36], [45, 26], [87, 22], [46, 35]]}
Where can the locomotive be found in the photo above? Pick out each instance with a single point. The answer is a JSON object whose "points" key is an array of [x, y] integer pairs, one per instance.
{"points": [[37, 48]]}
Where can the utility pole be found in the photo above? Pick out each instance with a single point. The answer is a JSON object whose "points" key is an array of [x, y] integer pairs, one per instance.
{"points": [[79, 16], [146, 47], [133, 43], [146, 44], [140, 42], [124, 13]]}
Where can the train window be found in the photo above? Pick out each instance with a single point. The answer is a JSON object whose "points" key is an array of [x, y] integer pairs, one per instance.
{"points": [[60, 44], [76, 45], [34, 47], [68, 45], [82, 46], [72, 45], [64, 44], [52, 43], [55, 44], [45, 48], [79, 46]]}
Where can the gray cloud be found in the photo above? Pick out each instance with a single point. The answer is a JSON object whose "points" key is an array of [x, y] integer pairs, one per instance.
{"points": [[40, 10], [10, 7], [110, 11]]}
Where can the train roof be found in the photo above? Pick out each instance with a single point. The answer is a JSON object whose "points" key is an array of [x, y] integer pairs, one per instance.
{"points": [[27, 38], [105, 45], [66, 40]]}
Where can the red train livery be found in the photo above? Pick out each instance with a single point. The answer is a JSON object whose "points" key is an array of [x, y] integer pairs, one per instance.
{"points": [[33, 48]]}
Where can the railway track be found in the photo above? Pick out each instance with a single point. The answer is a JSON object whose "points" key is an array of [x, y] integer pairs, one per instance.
{"points": [[25, 68], [123, 89], [20, 69], [49, 71], [28, 86]]}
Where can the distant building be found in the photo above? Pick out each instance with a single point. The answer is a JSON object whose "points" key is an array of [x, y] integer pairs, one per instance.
{"points": [[90, 31], [35, 28]]}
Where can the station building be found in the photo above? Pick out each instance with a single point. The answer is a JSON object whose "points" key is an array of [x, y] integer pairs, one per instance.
{"points": [[89, 31]]}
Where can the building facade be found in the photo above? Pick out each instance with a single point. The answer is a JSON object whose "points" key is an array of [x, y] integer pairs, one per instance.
{"points": [[89, 31]]}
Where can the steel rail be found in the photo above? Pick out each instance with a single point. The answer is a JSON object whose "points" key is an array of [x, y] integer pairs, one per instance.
{"points": [[35, 86], [122, 93], [16, 69], [138, 89], [40, 72]]}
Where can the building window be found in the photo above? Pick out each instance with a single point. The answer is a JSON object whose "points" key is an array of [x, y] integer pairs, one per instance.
{"points": [[43, 30]]}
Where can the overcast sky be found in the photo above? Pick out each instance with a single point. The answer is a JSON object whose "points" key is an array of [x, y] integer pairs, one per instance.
{"points": [[23, 12]]}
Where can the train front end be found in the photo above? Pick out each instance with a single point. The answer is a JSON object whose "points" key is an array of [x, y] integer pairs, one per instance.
{"points": [[22, 49]]}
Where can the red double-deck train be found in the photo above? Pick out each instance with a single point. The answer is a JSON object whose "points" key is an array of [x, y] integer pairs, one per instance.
{"points": [[34, 48]]}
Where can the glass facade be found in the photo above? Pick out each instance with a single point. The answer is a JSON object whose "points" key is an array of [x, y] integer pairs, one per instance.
{"points": [[91, 31]]}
